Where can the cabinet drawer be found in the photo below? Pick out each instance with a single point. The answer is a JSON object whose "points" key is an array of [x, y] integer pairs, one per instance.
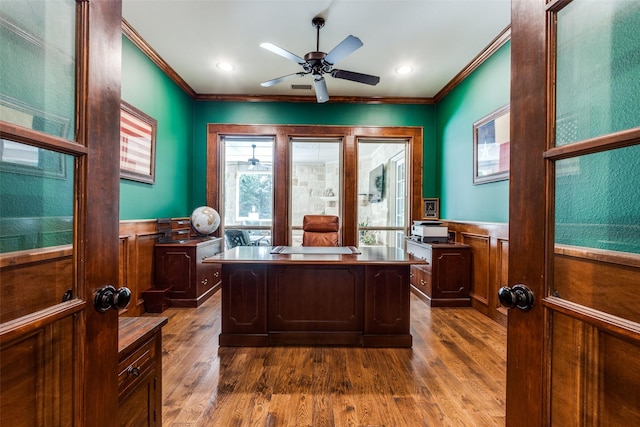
{"points": [[135, 367], [206, 251], [421, 279], [420, 251], [208, 277]]}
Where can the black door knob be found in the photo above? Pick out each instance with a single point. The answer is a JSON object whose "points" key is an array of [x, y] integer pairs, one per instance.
{"points": [[110, 297], [519, 296]]}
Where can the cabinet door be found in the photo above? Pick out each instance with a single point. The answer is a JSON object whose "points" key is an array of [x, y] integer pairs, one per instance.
{"points": [[244, 299], [138, 408], [386, 300], [451, 273]]}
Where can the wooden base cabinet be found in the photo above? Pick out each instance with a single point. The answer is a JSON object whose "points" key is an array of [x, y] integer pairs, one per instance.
{"points": [[140, 371], [179, 266], [446, 280]]}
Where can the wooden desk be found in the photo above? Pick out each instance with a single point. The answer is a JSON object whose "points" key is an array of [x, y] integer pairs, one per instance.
{"points": [[315, 298]]}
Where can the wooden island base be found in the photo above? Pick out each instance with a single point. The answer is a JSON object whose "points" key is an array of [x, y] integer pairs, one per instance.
{"points": [[315, 299]]}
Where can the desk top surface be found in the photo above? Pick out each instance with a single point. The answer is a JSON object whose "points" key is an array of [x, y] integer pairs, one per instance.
{"points": [[267, 255]]}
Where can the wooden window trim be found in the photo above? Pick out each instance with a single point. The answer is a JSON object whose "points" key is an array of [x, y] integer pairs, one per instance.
{"points": [[281, 179]]}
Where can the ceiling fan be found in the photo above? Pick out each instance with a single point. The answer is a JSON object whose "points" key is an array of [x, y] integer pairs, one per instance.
{"points": [[318, 63], [254, 163]]}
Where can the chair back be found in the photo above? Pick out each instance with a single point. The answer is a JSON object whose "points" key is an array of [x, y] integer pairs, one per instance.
{"points": [[235, 238], [320, 230]]}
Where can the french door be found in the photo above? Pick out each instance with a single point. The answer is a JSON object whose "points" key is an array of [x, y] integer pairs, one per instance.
{"points": [[59, 181], [573, 353]]}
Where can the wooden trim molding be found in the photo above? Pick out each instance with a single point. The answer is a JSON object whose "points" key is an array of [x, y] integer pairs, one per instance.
{"points": [[281, 185], [141, 44], [495, 44], [312, 99]]}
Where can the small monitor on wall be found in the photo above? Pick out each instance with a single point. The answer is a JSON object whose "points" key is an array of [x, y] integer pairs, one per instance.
{"points": [[376, 184]]}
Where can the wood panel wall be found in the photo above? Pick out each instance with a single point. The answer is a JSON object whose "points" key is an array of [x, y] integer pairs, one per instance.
{"points": [[137, 240], [489, 244], [490, 252]]}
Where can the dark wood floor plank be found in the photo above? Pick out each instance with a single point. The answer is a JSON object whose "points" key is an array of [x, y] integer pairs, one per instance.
{"points": [[453, 375]]}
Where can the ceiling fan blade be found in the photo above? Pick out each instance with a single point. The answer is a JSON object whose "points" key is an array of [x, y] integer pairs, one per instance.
{"points": [[322, 95], [355, 77], [284, 53], [344, 48], [283, 78]]}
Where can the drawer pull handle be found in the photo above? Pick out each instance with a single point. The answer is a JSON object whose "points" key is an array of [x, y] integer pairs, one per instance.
{"points": [[216, 274], [133, 371], [205, 281]]}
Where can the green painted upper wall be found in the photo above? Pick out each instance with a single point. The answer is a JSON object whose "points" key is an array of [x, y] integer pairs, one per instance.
{"points": [[182, 126], [484, 91], [311, 114], [148, 88]]}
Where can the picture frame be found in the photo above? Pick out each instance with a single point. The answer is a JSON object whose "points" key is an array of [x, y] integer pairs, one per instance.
{"points": [[491, 147], [431, 208], [137, 145]]}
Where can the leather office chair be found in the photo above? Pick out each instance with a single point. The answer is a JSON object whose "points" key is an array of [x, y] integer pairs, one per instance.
{"points": [[320, 230], [235, 238]]}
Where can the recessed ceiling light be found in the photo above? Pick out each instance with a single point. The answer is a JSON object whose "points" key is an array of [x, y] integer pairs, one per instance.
{"points": [[224, 66], [405, 69]]}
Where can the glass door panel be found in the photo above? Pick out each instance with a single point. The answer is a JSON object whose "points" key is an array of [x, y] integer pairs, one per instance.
{"points": [[595, 256], [247, 191], [36, 228], [316, 181], [382, 192], [37, 47], [597, 69]]}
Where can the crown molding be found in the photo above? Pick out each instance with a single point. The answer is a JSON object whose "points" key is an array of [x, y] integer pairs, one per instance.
{"points": [[141, 44], [312, 99], [495, 44]]}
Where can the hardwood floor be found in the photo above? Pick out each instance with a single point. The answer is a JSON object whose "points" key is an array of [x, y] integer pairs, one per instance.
{"points": [[453, 376]]}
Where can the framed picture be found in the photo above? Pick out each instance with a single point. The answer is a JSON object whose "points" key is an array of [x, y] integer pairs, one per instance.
{"points": [[491, 140], [431, 208], [137, 145]]}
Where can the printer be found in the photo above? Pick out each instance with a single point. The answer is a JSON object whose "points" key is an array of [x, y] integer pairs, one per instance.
{"points": [[429, 232]]}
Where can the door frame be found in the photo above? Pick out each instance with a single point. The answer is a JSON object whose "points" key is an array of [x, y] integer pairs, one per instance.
{"points": [[526, 358]]}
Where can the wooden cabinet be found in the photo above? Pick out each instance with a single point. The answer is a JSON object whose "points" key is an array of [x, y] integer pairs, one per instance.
{"points": [[179, 268], [140, 371], [446, 280]]}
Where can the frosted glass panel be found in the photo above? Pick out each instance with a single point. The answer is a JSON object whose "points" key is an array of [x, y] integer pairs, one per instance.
{"points": [[598, 69], [598, 200], [37, 70], [37, 199]]}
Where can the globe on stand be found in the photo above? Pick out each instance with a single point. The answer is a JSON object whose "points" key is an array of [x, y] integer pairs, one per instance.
{"points": [[205, 220]]}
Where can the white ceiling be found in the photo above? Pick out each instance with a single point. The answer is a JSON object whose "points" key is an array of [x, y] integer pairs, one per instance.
{"points": [[437, 38]]}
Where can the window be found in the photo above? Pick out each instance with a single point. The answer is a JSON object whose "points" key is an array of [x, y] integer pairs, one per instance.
{"points": [[316, 181], [248, 186], [338, 159], [382, 191]]}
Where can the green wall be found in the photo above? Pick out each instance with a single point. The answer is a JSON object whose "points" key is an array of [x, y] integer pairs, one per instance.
{"points": [[484, 91], [311, 114], [147, 88]]}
